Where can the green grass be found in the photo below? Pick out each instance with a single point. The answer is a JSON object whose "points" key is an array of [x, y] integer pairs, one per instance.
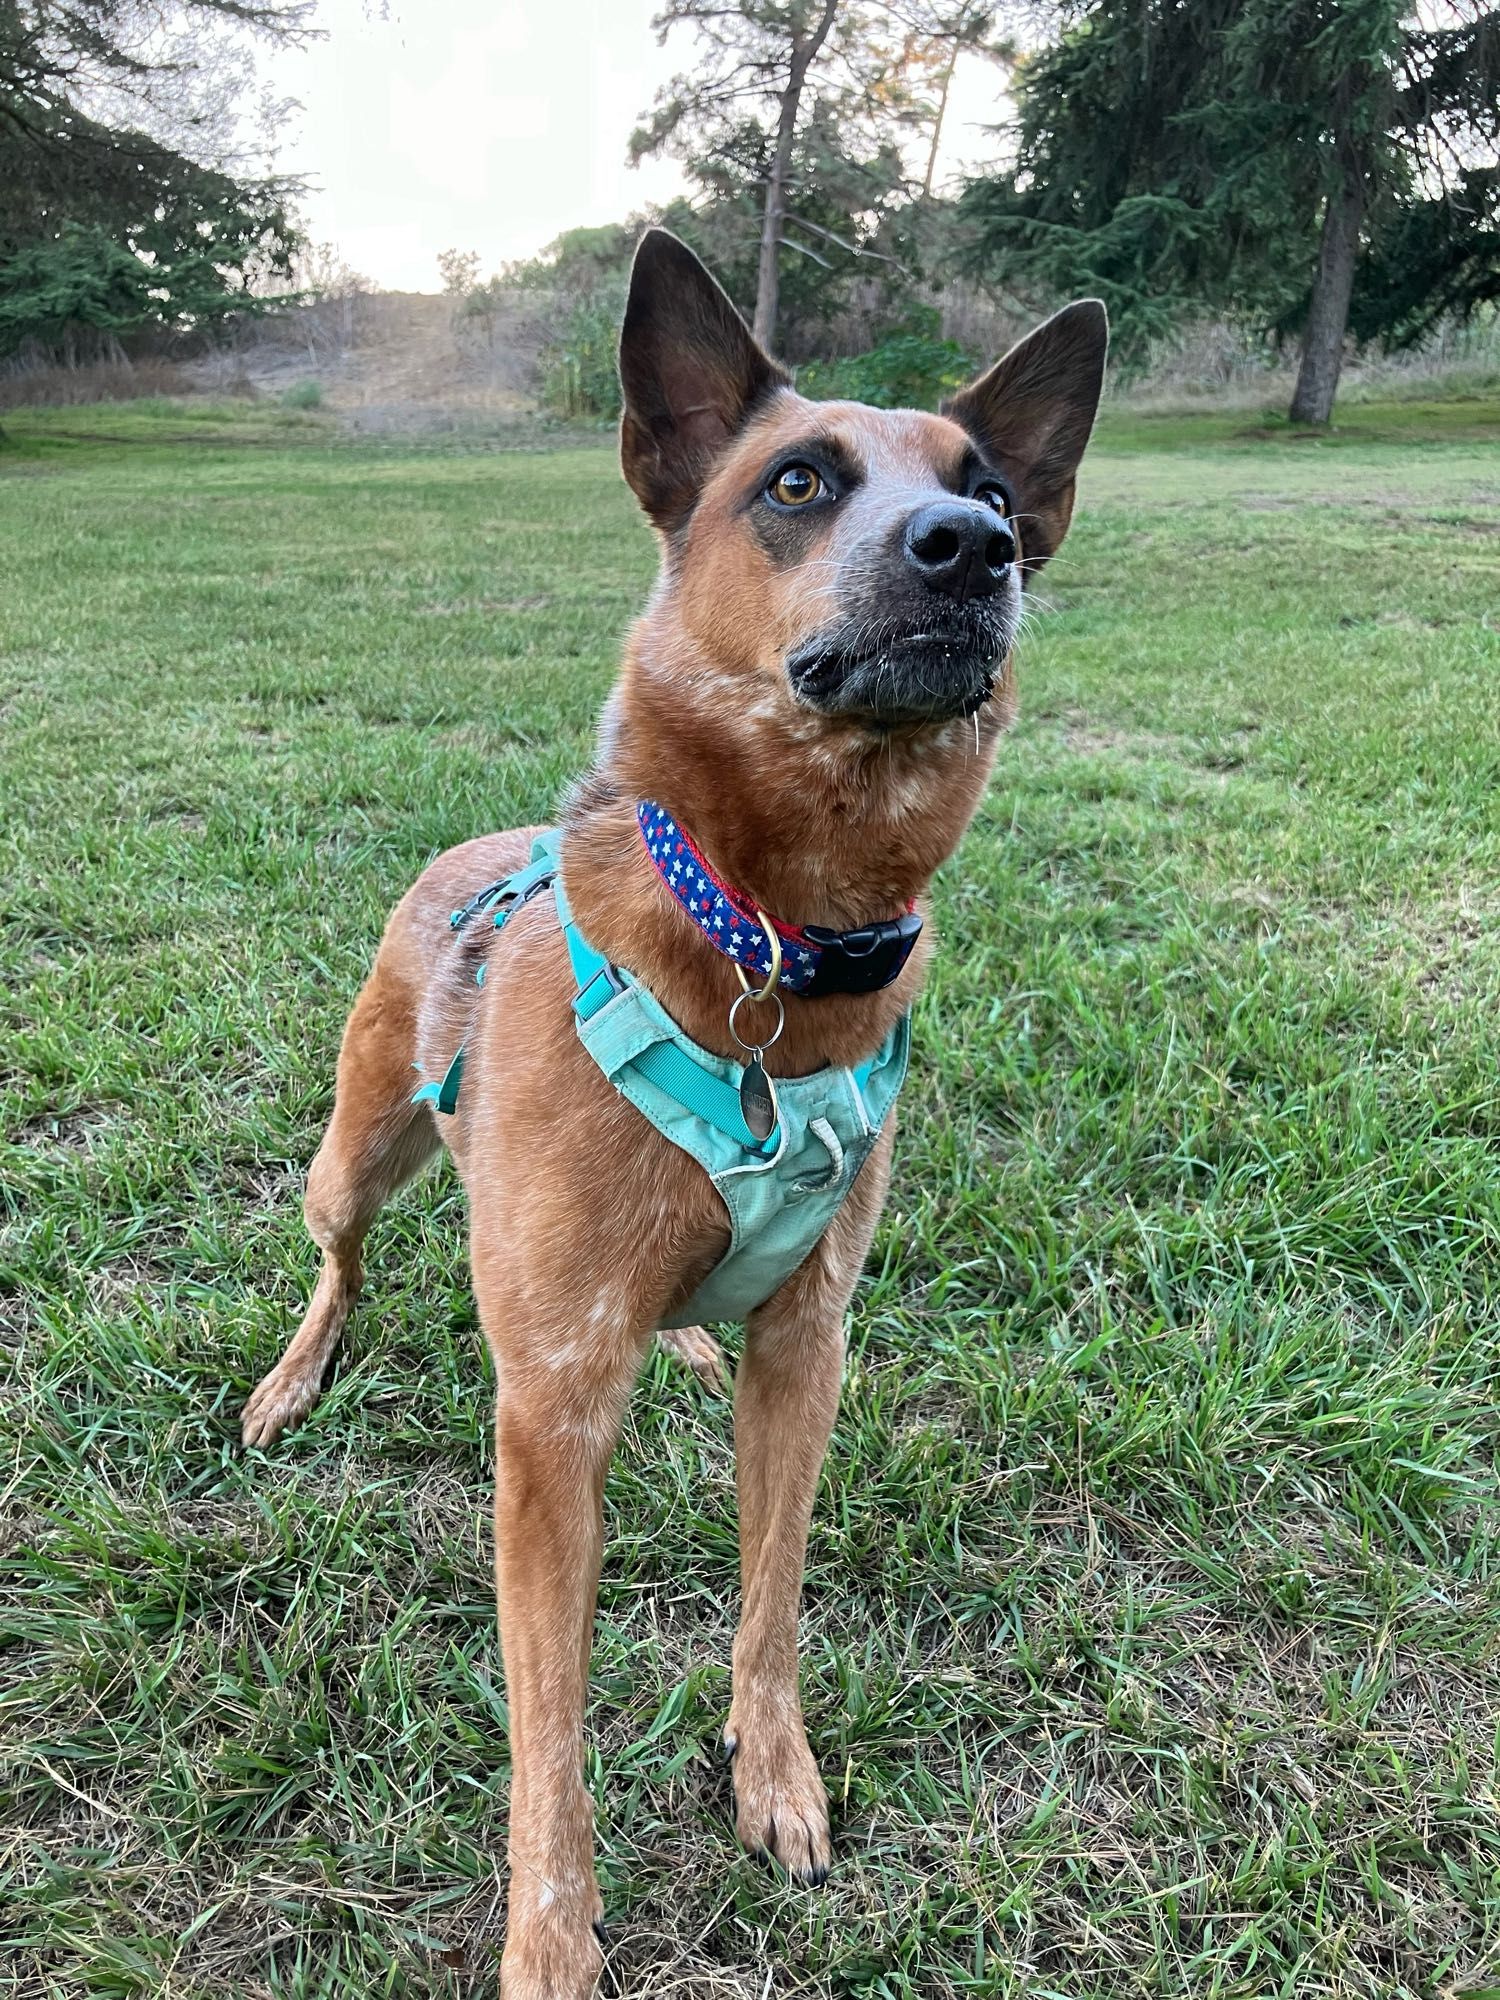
{"points": [[1153, 1630]]}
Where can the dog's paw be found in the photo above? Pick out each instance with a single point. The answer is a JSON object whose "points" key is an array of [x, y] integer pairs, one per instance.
{"points": [[553, 1947], [781, 1808], [700, 1352], [278, 1403]]}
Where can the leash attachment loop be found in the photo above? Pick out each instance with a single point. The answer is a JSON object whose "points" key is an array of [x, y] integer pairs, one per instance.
{"points": [[773, 977]]}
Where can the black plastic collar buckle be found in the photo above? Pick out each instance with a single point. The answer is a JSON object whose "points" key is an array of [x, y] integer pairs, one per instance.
{"points": [[861, 961]]}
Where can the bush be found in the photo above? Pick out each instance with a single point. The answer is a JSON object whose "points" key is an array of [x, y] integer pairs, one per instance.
{"points": [[580, 377], [303, 396], [906, 371]]}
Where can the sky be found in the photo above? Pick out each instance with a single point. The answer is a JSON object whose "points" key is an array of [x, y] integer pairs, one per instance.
{"points": [[491, 125]]}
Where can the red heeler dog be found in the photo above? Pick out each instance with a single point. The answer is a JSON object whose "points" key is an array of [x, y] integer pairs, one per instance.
{"points": [[803, 726]]}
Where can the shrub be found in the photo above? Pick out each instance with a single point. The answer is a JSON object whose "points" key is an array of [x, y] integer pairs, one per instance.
{"points": [[580, 377], [303, 396], [910, 370]]}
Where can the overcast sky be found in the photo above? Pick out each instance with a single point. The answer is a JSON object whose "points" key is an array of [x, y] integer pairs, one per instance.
{"points": [[491, 125]]}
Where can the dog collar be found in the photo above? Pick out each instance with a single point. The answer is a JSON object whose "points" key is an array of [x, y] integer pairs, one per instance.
{"points": [[814, 960]]}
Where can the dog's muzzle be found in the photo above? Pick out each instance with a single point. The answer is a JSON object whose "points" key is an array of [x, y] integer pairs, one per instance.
{"points": [[931, 674]]}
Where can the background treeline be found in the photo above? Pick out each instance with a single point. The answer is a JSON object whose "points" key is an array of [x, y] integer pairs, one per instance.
{"points": [[126, 207], [1305, 174]]}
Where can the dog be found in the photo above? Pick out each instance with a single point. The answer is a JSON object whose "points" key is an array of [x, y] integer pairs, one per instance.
{"points": [[809, 709]]}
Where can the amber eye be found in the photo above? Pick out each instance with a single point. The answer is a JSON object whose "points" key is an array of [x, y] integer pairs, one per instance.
{"points": [[992, 497], [795, 485]]}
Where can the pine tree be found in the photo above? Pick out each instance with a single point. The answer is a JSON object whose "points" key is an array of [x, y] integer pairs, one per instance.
{"points": [[122, 202], [1321, 164]]}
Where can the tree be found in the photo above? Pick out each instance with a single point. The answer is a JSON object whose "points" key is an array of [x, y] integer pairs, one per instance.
{"points": [[100, 103], [1260, 155], [459, 271], [85, 290], [937, 34], [329, 291], [788, 90], [1412, 100]]}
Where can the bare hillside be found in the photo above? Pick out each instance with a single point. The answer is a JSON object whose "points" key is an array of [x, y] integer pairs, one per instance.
{"points": [[394, 360]]}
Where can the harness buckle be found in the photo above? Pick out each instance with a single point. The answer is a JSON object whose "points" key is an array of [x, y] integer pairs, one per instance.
{"points": [[597, 992], [503, 897], [512, 900]]}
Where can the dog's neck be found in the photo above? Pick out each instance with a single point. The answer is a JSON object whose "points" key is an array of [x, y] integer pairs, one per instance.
{"points": [[815, 822]]}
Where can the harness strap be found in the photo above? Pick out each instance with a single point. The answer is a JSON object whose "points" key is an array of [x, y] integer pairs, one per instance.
{"points": [[444, 1095], [504, 897], [665, 1064]]}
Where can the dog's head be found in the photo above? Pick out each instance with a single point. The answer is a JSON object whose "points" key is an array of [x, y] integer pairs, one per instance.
{"points": [[858, 564]]}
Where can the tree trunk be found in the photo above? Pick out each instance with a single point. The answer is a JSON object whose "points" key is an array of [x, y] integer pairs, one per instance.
{"points": [[1328, 314], [937, 123], [768, 276]]}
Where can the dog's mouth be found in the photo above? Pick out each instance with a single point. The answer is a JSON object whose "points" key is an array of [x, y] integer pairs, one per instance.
{"points": [[931, 674]]}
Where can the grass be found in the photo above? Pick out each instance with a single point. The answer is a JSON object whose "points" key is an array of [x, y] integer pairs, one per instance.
{"points": [[1153, 1609]]}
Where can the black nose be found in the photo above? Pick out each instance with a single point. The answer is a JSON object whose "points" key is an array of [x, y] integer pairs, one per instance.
{"points": [[960, 547]]}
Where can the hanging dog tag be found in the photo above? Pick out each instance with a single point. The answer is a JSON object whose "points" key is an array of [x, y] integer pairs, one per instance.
{"points": [[757, 1099], [757, 1093]]}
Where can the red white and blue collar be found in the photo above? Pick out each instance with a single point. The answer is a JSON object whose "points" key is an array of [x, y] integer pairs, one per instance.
{"points": [[814, 960]]}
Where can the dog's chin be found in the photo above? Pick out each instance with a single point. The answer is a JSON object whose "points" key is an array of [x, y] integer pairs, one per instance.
{"points": [[920, 678]]}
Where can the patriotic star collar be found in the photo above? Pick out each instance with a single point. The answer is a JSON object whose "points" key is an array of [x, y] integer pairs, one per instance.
{"points": [[814, 960]]}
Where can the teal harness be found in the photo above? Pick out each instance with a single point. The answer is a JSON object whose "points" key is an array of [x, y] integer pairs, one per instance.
{"points": [[781, 1193]]}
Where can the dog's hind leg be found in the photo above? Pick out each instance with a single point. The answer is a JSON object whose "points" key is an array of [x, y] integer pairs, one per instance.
{"points": [[376, 1140], [697, 1349]]}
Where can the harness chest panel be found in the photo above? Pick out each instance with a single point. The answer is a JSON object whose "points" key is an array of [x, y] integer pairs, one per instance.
{"points": [[780, 1194]]}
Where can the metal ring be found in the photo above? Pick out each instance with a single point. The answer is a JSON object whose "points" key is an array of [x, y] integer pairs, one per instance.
{"points": [[773, 977], [754, 1048]]}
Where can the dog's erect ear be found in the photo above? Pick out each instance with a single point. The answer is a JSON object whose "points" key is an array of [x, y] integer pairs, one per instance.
{"points": [[1032, 414], [691, 373]]}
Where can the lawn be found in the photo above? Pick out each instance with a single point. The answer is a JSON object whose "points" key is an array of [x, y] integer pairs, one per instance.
{"points": [[1153, 1608]]}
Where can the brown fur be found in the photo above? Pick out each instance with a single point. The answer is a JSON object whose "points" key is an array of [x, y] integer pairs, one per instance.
{"points": [[587, 1224]]}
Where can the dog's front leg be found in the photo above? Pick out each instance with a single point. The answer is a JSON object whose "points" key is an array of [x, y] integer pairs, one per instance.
{"points": [[562, 1378], [786, 1398]]}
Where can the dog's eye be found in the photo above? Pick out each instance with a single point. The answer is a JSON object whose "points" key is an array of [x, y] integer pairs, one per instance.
{"points": [[992, 497], [795, 485]]}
